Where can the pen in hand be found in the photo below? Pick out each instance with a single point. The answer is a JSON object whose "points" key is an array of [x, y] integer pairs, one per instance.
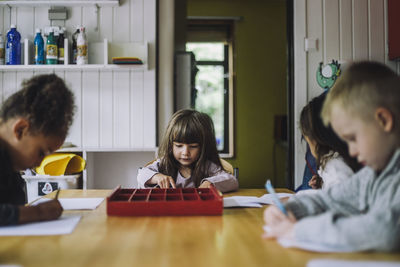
{"points": [[275, 197]]}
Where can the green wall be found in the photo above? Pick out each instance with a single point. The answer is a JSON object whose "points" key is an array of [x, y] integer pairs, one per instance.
{"points": [[260, 91]]}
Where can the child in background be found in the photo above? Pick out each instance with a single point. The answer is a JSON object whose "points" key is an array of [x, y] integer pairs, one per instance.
{"points": [[362, 213], [33, 123], [310, 169], [188, 156], [334, 163]]}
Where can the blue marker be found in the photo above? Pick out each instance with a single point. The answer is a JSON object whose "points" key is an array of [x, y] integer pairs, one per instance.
{"points": [[275, 198]]}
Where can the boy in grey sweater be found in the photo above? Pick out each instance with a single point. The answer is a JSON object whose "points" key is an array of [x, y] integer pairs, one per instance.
{"points": [[362, 213]]}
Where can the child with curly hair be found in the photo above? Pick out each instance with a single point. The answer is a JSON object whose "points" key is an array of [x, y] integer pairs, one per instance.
{"points": [[33, 123]]}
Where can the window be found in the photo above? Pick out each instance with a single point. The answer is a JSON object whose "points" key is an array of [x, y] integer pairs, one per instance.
{"points": [[211, 45]]}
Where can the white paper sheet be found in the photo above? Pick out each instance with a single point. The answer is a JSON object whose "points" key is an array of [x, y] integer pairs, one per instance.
{"points": [[241, 201], [75, 203], [286, 243], [62, 226], [347, 263], [267, 198], [251, 201]]}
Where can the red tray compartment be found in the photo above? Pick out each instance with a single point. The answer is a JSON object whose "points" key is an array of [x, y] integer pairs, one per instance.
{"points": [[165, 202]]}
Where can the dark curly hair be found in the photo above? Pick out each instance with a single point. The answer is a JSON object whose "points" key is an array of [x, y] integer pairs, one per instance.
{"points": [[189, 126], [46, 102]]}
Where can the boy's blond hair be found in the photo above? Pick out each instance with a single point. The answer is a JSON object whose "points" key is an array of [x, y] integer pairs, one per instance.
{"points": [[362, 88]]}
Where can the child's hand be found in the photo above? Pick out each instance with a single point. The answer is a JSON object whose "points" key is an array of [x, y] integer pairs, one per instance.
{"points": [[49, 210], [279, 224], [163, 181], [205, 184], [316, 182]]}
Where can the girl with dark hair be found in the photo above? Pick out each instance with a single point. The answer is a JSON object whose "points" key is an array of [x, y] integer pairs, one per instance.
{"points": [[188, 156], [333, 160], [33, 123]]}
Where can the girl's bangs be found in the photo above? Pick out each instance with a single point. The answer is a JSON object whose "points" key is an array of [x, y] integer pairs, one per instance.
{"points": [[186, 134]]}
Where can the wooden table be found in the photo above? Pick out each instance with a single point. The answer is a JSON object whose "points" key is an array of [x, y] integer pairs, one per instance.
{"points": [[233, 239]]}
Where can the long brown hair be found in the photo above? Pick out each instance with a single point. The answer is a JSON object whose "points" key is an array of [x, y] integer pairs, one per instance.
{"points": [[325, 138], [189, 126]]}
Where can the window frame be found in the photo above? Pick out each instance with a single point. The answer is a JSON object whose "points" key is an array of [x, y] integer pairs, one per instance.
{"points": [[226, 26]]}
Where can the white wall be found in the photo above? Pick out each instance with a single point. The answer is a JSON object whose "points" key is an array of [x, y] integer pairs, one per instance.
{"points": [[116, 109], [111, 169], [345, 30], [166, 64]]}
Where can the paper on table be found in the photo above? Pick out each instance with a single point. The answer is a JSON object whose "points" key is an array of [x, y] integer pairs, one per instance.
{"points": [[267, 198], [347, 263], [241, 201], [62, 226], [251, 201], [287, 243], [75, 203]]}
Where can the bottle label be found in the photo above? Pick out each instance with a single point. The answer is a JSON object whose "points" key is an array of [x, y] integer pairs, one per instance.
{"points": [[61, 53], [2, 54], [82, 50], [7, 55], [51, 51], [74, 55], [39, 55]]}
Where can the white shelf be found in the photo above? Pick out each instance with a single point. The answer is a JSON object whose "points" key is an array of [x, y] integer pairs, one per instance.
{"points": [[100, 58], [113, 67], [38, 3]]}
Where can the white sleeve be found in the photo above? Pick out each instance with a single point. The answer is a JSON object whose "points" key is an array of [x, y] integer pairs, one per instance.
{"points": [[223, 181], [146, 173], [335, 171]]}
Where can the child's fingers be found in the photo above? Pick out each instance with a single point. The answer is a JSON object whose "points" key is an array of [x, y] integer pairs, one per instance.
{"points": [[163, 184], [50, 210], [172, 182], [273, 215], [267, 235]]}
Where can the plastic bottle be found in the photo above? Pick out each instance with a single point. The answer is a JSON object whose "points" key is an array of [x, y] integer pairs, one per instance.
{"points": [[82, 47], [60, 46], [51, 48], [73, 48], [2, 51], [13, 47], [39, 48]]}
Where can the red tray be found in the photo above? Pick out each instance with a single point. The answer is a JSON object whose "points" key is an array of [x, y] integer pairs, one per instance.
{"points": [[162, 202]]}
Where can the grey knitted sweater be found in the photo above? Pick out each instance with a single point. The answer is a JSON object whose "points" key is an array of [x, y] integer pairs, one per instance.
{"points": [[361, 213]]}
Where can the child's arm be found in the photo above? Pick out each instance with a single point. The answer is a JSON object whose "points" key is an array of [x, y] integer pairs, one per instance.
{"points": [[222, 180], [278, 223], [150, 176], [377, 229], [353, 215], [45, 211], [163, 181], [12, 214], [342, 198]]}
